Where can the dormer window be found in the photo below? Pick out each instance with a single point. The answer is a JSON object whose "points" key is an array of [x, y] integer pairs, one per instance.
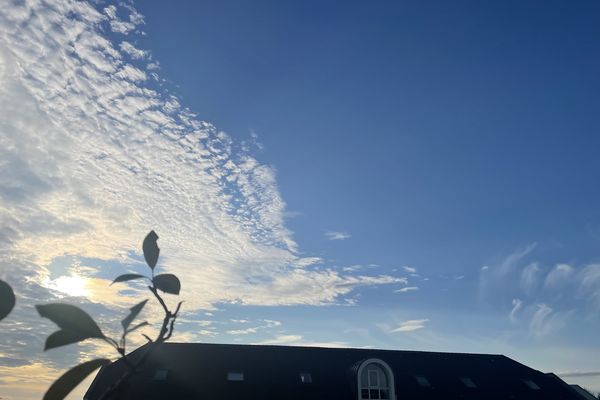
{"points": [[468, 382], [531, 384], [422, 381], [375, 381], [161, 374], [235, 376]]}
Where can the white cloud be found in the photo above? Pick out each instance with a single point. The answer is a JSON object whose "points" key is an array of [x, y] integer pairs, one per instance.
{"points": [[242, 331], [407, 289], [517, 305], [411, 325], [546, 321], [334, 235], [410, 270], [353, 268], [539, 321], [589, 282], [577, 373], [264, 324], [529, 278], [133, 51], [111, 11], [558, 275], [510, 262], [299, 340], [498, 281], [93, 159], [134, 74]]}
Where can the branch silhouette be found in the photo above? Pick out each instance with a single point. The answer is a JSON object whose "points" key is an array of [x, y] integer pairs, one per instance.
{"points": [[76, 325]]}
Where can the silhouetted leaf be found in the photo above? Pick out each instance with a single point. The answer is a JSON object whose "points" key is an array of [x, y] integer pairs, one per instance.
{"points": [[168, 283], [71, 319], [73, 377], [138, 326], [63, 337], [7, 299], [151, 249], [127, 277], [134, 311]]}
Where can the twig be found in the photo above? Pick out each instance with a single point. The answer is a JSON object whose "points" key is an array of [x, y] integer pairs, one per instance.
{"points": [[164, 334]]}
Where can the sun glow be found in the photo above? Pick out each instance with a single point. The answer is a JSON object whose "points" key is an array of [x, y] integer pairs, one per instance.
{"points": [[71, 285]]}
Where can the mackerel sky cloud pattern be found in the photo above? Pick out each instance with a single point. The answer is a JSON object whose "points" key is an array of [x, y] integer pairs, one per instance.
{"points": [[95, 153]]}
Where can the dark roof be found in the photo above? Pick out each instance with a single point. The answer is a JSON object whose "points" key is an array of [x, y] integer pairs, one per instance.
{"points": [[199, 371], [585, 395]]}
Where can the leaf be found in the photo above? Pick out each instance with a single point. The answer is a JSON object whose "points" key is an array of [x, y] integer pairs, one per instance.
{"points": [[7, 299], [71, 318], [127, 277], [62, 338], [73, 377], [138, 326], [151, 249], [168, 283], [134, 311]]}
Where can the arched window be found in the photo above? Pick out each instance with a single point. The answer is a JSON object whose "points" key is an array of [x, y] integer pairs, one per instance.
{"points": [[375, 381]]}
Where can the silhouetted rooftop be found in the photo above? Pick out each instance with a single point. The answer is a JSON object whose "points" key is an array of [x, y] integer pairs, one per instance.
{"points": [[226, 371]]}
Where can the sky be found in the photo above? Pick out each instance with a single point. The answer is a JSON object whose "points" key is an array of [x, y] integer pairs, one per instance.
{"points": [[398, 175]]}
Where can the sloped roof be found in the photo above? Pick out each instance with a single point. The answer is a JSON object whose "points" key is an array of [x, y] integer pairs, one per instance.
{"points": [[199, 371], [585, 395]]}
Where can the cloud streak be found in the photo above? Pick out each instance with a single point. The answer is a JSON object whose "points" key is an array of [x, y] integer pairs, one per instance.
{"points": [[334, 235], [407, 289], [411, 325]]}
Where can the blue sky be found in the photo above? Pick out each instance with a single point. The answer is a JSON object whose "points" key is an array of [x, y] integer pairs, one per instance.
{"points": [[405, 175]]}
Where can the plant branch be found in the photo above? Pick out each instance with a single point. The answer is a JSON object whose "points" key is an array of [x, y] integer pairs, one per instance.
{"points": [[164, 334]]}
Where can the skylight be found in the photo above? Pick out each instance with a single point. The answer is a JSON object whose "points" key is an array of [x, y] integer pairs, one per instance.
{"points": [[161, 374], [531, 384], [422, 381], [468, 382], [235, 376], [305, 377]]}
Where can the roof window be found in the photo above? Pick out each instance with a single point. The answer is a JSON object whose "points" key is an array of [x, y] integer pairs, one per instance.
{"points": [[422, 381], [161, 374], [468, 382], [235, 376], [305, 377], [531, 384]]}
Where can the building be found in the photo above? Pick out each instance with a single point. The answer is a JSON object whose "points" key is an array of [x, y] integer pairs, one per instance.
{"points": [[189, 371]]}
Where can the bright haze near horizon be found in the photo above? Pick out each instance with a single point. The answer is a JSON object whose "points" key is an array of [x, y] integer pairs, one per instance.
{"points": [[399, 175]]}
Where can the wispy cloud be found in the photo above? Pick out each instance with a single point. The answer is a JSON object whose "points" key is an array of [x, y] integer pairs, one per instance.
{"points": [[410, 270], [546, 321], [498, 280], [407, 289], [574, 374], [517, 305], [335, 235], [264, 324], [299, 340], [558, 275], [411, 325], [589, 282], [529, 277]]}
